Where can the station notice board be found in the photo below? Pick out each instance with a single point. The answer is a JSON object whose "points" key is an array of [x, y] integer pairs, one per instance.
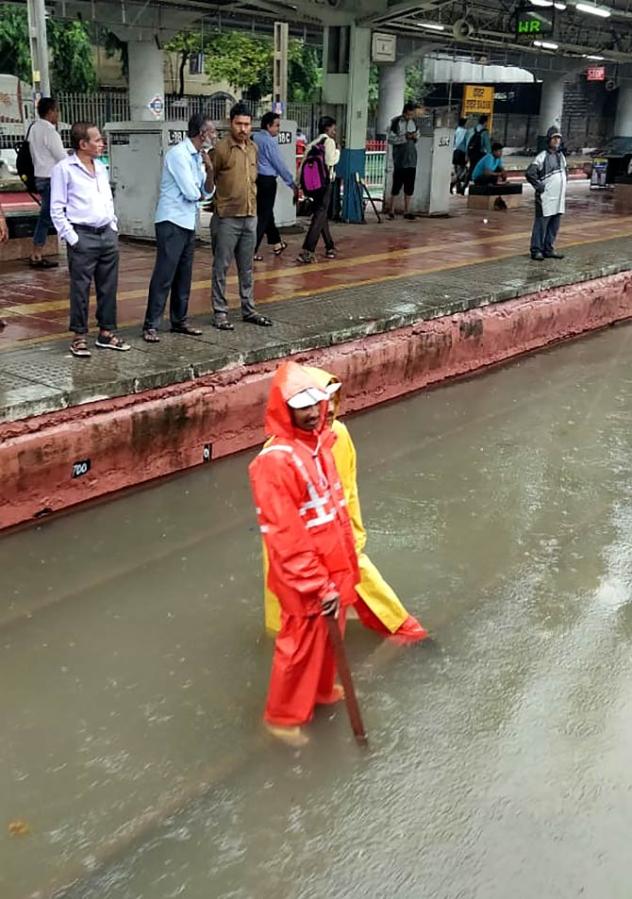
{"points": [[478, 100]]}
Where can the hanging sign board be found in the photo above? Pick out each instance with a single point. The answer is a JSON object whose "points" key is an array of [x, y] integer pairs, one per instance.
{"points": [[478, 100]]}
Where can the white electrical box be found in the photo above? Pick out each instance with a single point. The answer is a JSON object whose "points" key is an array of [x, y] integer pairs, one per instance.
{"points": [[434, 169]]}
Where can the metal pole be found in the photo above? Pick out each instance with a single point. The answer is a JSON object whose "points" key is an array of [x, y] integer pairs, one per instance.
{"points": [[279, 79], [39, 47]]}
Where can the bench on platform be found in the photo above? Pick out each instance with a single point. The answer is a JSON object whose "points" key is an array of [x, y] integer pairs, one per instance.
{"points": [[486, 196], [21, 227]]}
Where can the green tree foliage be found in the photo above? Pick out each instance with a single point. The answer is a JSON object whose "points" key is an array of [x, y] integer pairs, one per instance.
{"points": [[245, 62], [72, 64], [15, 56], [415, 87]]}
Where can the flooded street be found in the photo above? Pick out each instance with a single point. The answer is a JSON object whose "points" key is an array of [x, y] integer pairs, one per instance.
{"points": [[134, 669]]}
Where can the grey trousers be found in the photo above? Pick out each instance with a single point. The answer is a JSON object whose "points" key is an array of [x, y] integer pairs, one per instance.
{"points": [[173, 271], [94, 256], [545, 229], [233, 237]]}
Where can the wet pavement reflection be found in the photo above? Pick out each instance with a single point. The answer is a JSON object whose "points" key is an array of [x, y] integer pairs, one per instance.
{"points": [[134, 668]]}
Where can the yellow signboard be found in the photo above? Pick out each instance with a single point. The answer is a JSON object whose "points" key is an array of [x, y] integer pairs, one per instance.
{"points": [[478, 100]]}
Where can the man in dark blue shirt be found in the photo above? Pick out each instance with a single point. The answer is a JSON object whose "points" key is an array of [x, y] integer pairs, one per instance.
{"points": [[270, 166]]}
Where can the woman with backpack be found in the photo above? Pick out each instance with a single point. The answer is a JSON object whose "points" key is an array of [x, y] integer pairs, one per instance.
{"points": [[316, 179]]}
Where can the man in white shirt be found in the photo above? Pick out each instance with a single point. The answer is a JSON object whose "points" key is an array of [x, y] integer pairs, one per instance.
{"points": [[47, 150], [82, 210]]}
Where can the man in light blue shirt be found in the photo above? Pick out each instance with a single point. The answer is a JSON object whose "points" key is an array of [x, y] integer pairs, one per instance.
{"points": [[488, 171], [270, 166], [187, 178]]}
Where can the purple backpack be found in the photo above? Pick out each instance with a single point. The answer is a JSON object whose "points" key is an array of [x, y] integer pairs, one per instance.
{"points": [[314, 174]]}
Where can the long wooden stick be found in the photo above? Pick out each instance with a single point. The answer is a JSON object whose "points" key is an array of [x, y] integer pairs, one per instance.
{"points": [[351, 700]]}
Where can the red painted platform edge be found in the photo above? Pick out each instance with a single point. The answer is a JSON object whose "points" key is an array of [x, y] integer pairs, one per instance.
{"points": [[134, 439]]}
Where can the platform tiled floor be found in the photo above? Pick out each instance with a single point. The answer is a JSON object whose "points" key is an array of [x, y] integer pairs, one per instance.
{"points": [[386, 275]]}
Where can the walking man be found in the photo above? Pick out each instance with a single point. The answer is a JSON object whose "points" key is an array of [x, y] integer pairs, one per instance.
{"points": [[82, 211], [459, 157], [317, 178], [270, 166], [47, 150], [548, 175], [480, 143], [187, 178], [234, 225], [307, 533], [403, 136]]}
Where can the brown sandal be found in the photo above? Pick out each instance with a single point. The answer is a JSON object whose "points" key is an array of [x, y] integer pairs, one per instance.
{"points": [[79, 348], [151, 336]]}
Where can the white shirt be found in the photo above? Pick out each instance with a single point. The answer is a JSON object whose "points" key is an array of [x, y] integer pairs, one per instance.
{"points": [[46, 147], [332, 153], [77, 197]]}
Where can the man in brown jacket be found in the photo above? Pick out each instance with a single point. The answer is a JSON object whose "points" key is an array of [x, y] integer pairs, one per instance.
{"points": [[234, 225]]}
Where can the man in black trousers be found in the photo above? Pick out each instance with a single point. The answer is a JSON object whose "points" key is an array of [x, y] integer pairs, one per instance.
{"points": [[187, 178]]}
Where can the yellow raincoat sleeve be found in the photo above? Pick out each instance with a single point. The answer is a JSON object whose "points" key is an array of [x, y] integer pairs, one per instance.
{"points": [[345, 457]]}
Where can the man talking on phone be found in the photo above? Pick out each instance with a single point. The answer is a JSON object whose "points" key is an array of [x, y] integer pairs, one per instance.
{"points": [[187, 178]]}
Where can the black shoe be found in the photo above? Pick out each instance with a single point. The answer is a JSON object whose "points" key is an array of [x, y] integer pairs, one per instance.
{"points": [[537, 257], [223, 323], [554, 255]]}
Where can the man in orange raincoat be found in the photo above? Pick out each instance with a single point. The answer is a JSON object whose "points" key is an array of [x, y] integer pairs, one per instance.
{"points": [[313, 567], [377, 605]]}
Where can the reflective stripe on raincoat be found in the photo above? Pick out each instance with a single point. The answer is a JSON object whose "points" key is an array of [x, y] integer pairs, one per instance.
{"points": [[301, 507]]}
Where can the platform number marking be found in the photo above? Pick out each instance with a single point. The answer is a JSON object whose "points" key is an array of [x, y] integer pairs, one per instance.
{"points": [[285, 137], [207, 452], [81, 468]]}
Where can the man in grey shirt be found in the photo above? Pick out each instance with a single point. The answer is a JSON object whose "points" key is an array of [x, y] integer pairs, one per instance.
{"points": [[403, 136]]}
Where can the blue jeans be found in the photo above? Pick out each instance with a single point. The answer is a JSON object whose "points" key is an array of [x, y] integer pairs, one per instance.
{"points": [[44, 222], [545, 228]]}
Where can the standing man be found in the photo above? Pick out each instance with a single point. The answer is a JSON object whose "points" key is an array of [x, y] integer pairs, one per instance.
{"points": [[4, 230], [234, 225], [548, 175], [480, 143], [317, 176], [459, 157], [4, 236], [270, 166], [46, 151], [187, 178], [82, 211], [307, 533], [489, 170], [403, 136]]}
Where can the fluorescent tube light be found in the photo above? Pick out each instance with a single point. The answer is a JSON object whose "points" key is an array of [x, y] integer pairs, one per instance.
{"points": [[432, 26], [546, 45], [596, 58], [541, 2], [593, 10], [559, 4]]}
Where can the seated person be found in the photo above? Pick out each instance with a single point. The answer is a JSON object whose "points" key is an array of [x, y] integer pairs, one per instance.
{"points": [[489, 170]]}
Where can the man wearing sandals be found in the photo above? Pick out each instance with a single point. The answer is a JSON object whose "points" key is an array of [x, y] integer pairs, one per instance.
{"points": [[234, 226], [187, 178], [82, 211]]}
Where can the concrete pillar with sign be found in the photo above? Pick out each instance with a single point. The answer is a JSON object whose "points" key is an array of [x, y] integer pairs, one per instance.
{"points": [[146, 81], [623, 121], [347, 56], [551, 107]]}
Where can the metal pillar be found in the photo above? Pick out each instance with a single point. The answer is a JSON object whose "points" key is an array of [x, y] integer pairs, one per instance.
{"points": [[280, 63], [38, 42], [623, 121], [353, 159]]}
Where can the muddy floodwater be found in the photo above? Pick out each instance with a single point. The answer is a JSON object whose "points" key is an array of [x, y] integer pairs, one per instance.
{"points": [[134, 668]]}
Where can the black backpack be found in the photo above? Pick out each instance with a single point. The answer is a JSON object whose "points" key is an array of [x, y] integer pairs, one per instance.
{"points": [[24, 163], [475, 146]]}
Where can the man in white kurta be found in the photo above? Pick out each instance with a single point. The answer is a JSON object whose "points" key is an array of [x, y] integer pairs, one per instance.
{"points": [[548, 175]]}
